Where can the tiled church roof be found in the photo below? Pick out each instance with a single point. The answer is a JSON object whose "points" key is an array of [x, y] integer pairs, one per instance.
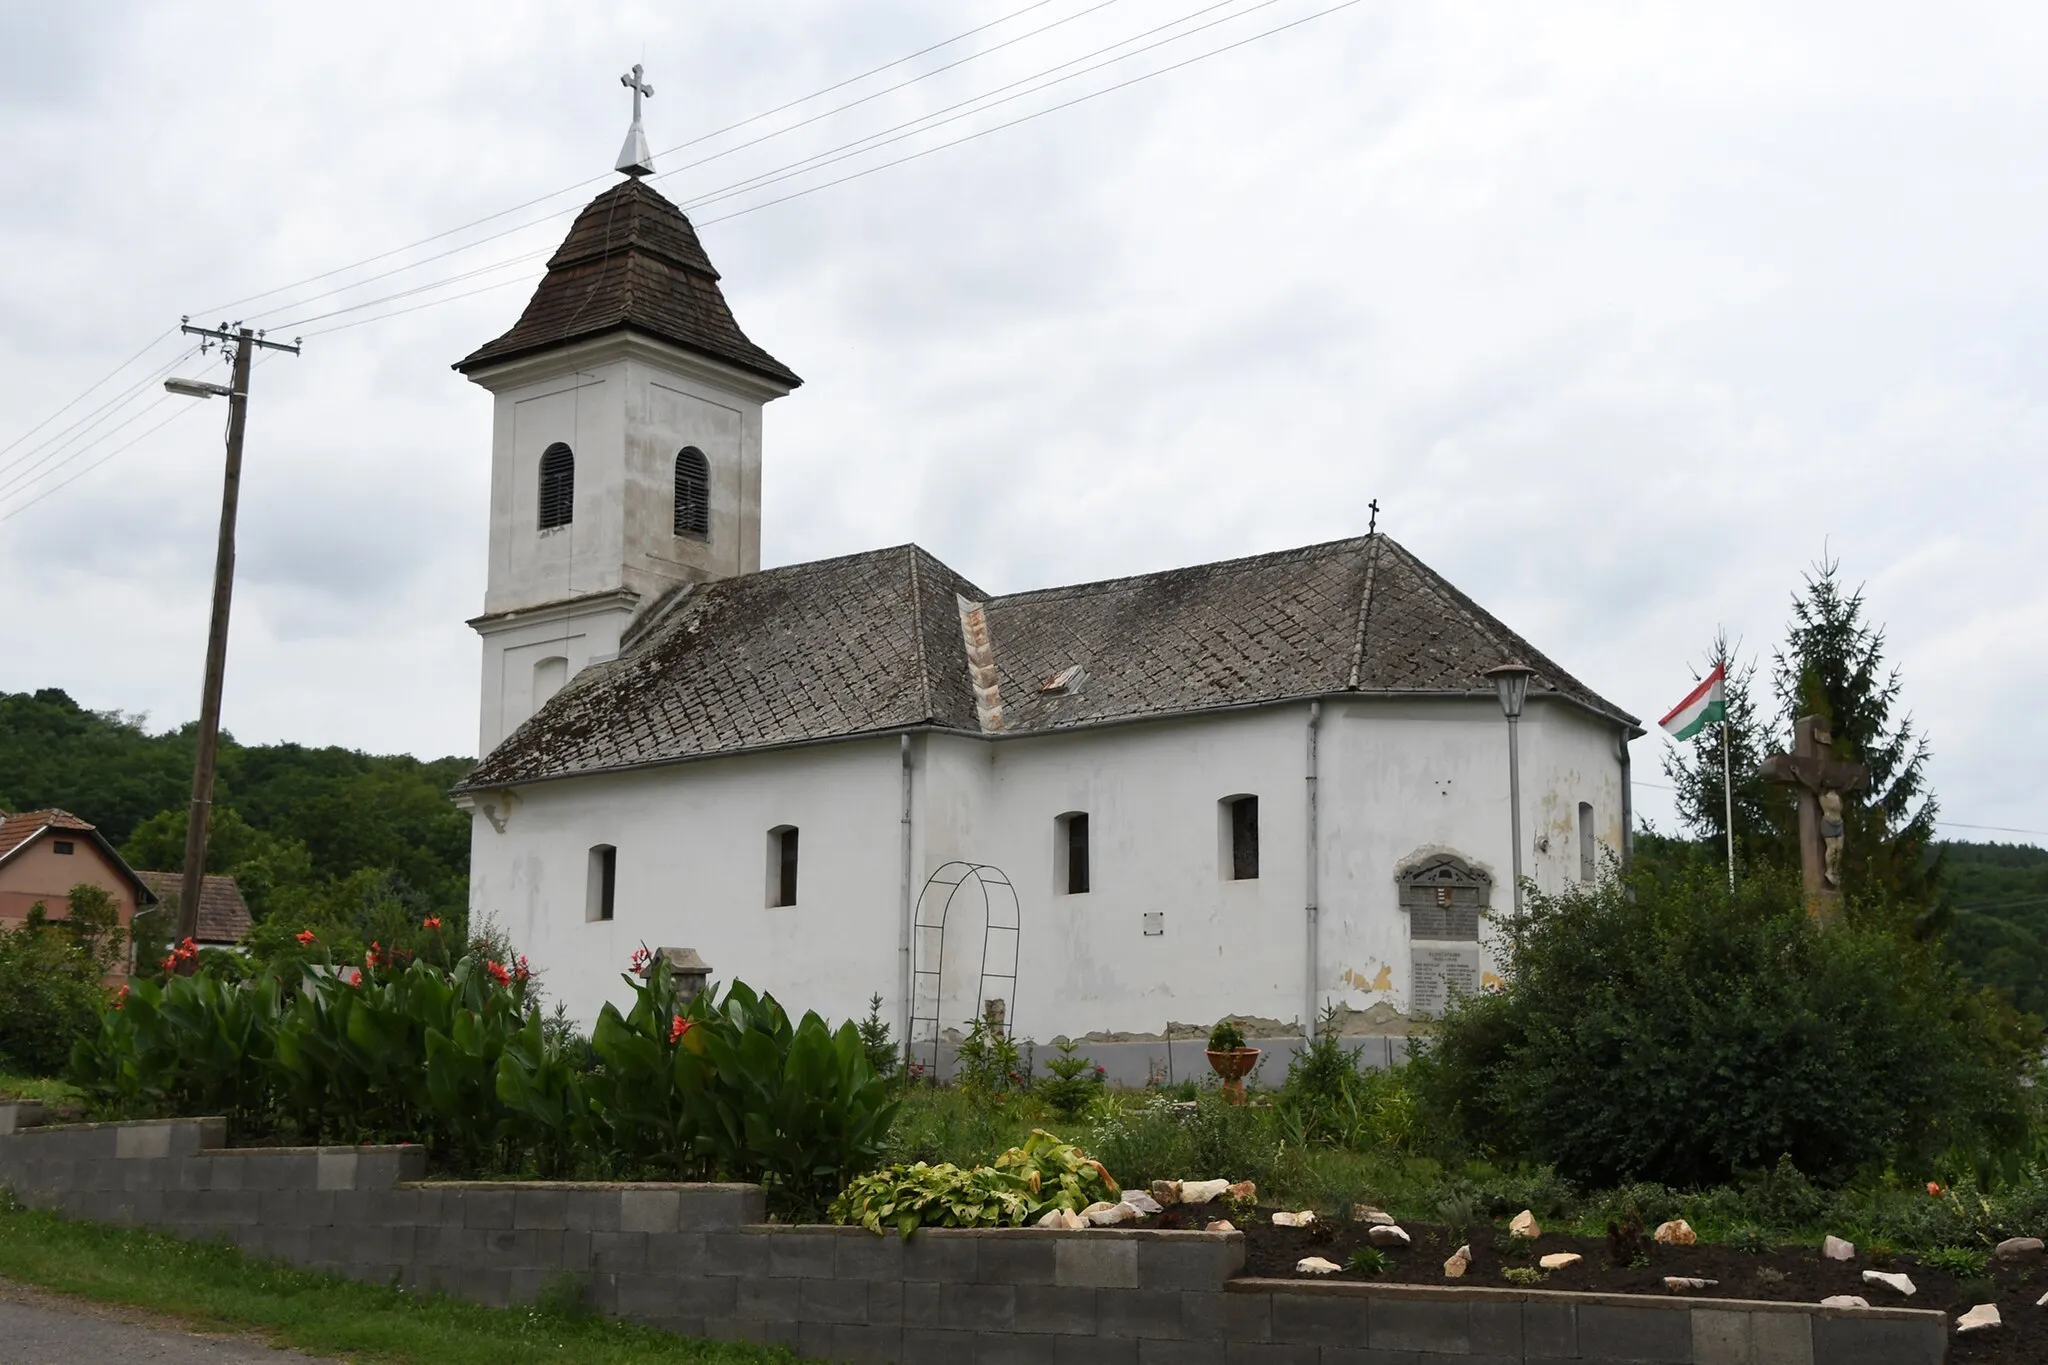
{"points": [[631, 260], [223, 914], [872, 643]]}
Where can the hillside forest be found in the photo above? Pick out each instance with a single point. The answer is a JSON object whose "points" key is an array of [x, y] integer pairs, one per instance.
{"points": [[343, 840]]}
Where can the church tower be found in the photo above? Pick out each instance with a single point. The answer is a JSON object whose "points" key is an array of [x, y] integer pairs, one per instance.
{"points": [[626, 444]]}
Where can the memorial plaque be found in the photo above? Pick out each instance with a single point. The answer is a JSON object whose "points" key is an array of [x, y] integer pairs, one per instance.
{"points": [[1441, 970]]}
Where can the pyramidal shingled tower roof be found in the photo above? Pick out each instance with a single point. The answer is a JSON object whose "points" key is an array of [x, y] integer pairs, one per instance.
{"points": [[631, 261]]}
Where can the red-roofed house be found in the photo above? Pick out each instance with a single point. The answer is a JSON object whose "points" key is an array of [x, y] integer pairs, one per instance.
{"points": [[44, 853]]}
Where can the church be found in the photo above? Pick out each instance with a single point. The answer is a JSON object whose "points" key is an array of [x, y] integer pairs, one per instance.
{"points": [[1258, 788]]}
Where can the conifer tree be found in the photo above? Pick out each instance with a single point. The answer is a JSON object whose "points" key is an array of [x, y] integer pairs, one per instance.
{"points": [[1695, 771]]}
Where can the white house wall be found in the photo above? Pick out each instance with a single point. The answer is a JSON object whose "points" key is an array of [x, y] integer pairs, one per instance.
{"points": [[1397, 779]]}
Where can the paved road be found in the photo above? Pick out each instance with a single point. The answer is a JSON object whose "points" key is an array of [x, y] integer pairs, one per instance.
{"points": [[39, 1329]]}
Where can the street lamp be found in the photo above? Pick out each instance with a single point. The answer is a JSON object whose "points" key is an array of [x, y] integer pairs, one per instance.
{"points": [[197, 388], [1511, 684]]}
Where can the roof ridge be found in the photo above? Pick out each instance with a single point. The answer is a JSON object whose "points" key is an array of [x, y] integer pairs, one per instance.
{"points": [[1372, 569], [924, 671], [1210, 566]]}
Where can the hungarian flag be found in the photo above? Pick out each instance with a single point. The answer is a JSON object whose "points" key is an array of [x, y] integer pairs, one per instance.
{"points": [[1703, 706]]}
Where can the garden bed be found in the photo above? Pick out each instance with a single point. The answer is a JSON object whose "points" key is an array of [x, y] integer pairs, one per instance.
{"points": [[1783, 1274]]}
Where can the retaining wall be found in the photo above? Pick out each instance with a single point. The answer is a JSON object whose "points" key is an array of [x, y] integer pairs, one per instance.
{"points": [[702, 1260]]}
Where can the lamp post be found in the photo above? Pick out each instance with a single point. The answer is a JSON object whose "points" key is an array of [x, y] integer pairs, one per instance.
{"points": [[244, 343], [1511, 685]]}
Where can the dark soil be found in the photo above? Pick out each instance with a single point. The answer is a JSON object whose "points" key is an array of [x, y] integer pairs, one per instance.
{"points": [[1789, 1274]]}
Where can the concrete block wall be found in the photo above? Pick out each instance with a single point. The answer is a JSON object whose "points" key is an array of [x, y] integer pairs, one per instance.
{"points": [[703, 1260]]}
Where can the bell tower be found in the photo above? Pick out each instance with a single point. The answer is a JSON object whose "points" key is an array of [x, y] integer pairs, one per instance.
{"points": [[626, 443]]}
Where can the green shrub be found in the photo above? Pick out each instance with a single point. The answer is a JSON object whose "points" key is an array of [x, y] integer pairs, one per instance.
{"points": [[988, 1061], [1074, 1083], [1016, 1188], [1965, 1263], [51, 989], [1370, 1261], [1226, 1036], [1726, 1032]]}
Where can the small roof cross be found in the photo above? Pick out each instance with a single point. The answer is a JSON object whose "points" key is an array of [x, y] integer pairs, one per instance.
{"points": [[634, 158]]}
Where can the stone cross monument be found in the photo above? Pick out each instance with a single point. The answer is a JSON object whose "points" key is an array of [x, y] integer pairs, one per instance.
{"points": [[634, 158], [1822, 780]]}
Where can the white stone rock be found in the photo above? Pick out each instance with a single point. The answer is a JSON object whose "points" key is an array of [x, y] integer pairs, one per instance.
{"points": [[1108, 1215], [1845, 1301], [1679, 1283], [1835, 1249], [1524, 1224], [1677, 1233], [1897, 1282], [1366, 1213], [1201, 1191], [2041, 1302], [1315, 1265], [1243, 1192], [1981, 1318], [2018, 1249], [1063, 1220], [1166, 1191], [1220, 1225], [1460, 1261], [1284, 1219], [1141, 1201], [1560, 1260], [1387, 1235]]}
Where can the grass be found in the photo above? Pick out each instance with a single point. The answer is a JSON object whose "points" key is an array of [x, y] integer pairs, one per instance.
{"points": [[50, 1092], [216, 1286]]}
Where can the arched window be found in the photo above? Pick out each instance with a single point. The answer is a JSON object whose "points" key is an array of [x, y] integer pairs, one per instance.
{"points": [[557, 486], [693, 493], [548, 676]]}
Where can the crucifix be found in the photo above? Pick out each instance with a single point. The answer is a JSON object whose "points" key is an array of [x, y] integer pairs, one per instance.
{"points": [[1822, 781], [634, 158]]}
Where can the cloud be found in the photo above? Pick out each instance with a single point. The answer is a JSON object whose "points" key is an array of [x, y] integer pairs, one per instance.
{"points": [[1624, 316]]}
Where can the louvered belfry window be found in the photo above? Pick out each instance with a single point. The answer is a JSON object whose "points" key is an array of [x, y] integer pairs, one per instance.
{"points": [[693, 493], [557, 486]]}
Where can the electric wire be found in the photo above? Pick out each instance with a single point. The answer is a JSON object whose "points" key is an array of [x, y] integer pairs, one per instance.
{"points": [[815, 162], [87, 391], [57, 445], [715, 156], [592, 180]]}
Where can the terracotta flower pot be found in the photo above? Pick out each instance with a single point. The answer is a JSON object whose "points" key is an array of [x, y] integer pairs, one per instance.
{"points": [[1232, 1067]]}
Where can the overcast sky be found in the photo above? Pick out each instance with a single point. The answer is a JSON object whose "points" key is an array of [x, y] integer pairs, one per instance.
{"points": [[1624, 313]]}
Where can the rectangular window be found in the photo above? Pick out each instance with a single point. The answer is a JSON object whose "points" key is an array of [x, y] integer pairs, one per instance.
{"points": [[1588, 846], [782, 866], [601, 893], [1070, 854], [1241, 838], [60, 846]]}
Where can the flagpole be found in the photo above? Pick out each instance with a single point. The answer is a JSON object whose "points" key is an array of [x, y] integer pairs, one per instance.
{"points": [[1727, 801]]}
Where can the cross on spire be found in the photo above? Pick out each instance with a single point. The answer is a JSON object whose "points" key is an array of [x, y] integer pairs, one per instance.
{"points": [[634, 158]]}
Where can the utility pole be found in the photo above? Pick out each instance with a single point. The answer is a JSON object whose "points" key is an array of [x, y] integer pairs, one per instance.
{"points": [[245, 343]]}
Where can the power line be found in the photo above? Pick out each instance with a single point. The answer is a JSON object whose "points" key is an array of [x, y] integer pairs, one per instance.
{"points": [[30, 475], [814, 162], [581, 184], [92, 418], [87, 391]]}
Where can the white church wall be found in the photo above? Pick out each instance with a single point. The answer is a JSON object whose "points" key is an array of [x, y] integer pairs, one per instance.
{"points": [[693, 871], [585, 411]]}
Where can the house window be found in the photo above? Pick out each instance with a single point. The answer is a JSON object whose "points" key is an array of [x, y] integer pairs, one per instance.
{"points": [[1588, 847], [782, 866], [1238, 826], [1070, 854], [60, 846], [603, 886], [557, 486], [693, 494]]}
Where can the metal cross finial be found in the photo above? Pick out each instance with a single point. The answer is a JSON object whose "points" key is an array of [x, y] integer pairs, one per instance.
{"points": [[1374, 524], [634, 158]]}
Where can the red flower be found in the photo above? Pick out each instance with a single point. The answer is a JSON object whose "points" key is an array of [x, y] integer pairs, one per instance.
{"points": [[498, 973], [521, 971], [431, 922], [121, 996], [355, 978], [679, 1027], [185, 950], [1934, 1187], [641, 957], [170, 964], [304, 936]]}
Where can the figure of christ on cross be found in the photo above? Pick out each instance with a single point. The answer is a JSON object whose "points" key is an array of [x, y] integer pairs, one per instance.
{"points": [[1822, 780]]}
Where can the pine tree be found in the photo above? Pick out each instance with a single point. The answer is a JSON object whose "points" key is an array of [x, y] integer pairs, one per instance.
{"points": [[1833, 665]]}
